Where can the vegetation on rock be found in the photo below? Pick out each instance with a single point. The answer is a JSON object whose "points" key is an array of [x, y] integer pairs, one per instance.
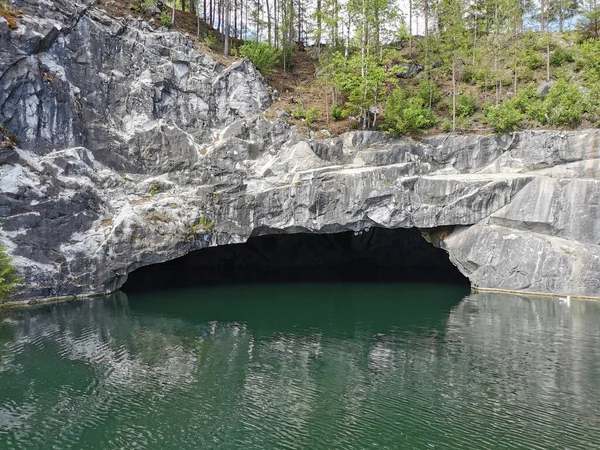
{"points": [[264, 56], [8, 276], [426, 66], [10, 14]]}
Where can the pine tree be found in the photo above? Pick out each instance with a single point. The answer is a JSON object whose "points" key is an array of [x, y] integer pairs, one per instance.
{"points": [[8, 276]]}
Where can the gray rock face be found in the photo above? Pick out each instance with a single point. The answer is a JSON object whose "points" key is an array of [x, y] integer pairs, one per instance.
{"points": [[135, 149]]}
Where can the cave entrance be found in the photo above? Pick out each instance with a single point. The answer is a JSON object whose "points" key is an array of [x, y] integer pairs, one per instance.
{"points": [[376, 255]]}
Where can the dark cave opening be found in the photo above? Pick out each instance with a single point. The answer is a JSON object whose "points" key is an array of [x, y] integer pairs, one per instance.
{"points": [[377, 255]]}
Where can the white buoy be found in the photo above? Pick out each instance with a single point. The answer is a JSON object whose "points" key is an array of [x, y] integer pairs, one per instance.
{"points": [[566, 300]]}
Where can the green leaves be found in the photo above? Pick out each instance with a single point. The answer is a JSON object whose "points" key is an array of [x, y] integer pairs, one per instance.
{"points": [[8, 275], [504, 117], [264, 56], [405, 113], [565, 105]]}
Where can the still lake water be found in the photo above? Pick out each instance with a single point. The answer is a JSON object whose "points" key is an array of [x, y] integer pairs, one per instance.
{"points": [[307, 366]]}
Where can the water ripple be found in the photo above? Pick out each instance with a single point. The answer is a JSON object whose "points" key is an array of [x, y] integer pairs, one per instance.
{"points": [[370, 368]]}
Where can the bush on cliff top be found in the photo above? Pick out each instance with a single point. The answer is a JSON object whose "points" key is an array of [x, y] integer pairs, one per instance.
{"points": [[264, 56]]}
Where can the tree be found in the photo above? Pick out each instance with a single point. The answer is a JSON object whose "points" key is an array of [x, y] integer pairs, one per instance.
{"points": [[227, 8], [561, 11], [455, 37], [589, 24], [8, 276]]}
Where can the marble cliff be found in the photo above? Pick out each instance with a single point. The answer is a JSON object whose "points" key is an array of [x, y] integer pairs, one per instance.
{"points": [[124, 146]]}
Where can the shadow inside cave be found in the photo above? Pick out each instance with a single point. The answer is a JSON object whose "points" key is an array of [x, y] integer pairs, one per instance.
{"points": [[377, 255]]}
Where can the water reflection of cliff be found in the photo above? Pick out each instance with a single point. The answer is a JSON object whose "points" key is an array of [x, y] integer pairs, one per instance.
{"points": [[343, 368], [534, 360]]}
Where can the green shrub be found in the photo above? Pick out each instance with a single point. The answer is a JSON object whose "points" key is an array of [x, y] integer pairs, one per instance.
{"points": [[147, 5], [298, 114], [404, 113], [202, 224], [525, 75], [305, 114], [465, 105], [446, 126], [286, 56], [8, 276], [209, 40], [532, 59], [429, 92], [310, 115], [504, 117], [529, 103], [593, 102], [165, 19], [155, 188], [264, 56], [587, 60], [337, 113], [565, 104], [561, 56]]}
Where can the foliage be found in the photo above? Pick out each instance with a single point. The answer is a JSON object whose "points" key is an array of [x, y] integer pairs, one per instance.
{"points": [[8, 276], [155, 188], [165, 19], [532, 59], [529, 103], [405, 113], [587, 60], [589, 23], [430, 93], [561, 56], [465, 105], [337, 112], [593, 103], [202, 224], [564, 104], [446, 126], [309, 115], [363, 79], [209, 40], [504, 117], [264, 56], [147, 5]]}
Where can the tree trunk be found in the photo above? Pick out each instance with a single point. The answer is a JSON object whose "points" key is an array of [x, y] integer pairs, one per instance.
{"points": [[318, 40], [235, 10], [257, 20], [299, 20], [275, 22], [268, 22], [548, 60], [426, 13], [173, 14], [453, 94], [226, 27], [410, 28]]}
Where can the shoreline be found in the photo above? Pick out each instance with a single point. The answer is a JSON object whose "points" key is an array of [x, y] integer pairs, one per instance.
{"points": [[474, 290]]}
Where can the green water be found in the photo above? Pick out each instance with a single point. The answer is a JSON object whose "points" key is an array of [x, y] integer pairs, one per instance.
{"points": [[311, 366]]}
